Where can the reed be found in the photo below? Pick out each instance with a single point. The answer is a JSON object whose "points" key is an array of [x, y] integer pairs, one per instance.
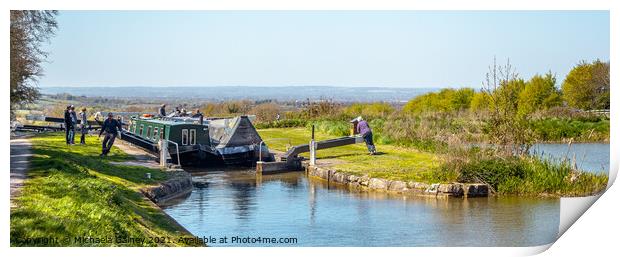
{"points": [[525, 175]]}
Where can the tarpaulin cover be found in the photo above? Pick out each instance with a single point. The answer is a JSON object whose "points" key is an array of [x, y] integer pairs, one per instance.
{"points": [[234, 135]]}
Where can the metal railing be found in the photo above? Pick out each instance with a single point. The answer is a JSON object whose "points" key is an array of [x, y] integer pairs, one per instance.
{"points": [[178, 155], [260, 146]]}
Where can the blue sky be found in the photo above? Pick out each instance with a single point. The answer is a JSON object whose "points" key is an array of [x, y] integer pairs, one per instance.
{"points": [[331, 48]]}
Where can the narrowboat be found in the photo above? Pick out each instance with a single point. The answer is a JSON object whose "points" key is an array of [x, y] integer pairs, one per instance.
{"points": [[215, 141]]}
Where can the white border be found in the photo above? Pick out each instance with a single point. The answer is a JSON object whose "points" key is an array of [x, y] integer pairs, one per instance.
{"points": [[568, 244], [313, 5]]}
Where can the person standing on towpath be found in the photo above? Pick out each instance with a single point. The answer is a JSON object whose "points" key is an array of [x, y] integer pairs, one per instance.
{"points": [[364, 129], [68, 125], [83, 126], [73, 123], [111, 127]]}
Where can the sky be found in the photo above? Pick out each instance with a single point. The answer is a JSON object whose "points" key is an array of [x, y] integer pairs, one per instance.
{"points": [[417, 49]]}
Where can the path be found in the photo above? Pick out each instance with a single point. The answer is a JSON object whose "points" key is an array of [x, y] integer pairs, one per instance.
{"points": [[142, 158], [20, 160]]}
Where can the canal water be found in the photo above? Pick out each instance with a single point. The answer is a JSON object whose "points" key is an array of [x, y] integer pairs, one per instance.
{"points": [[591, 157], [237, 204]]}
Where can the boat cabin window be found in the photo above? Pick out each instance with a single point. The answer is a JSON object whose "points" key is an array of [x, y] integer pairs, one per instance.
{"points": [[148, 132], [162, 133], [141, 129], [155, 133], [192, 137], [184, 137]]}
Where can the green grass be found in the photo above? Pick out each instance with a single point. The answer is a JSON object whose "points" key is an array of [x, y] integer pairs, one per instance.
{"points": [[72, 192], [393, 162]]}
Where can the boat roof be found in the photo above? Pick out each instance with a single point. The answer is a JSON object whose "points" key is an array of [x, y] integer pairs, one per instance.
{"points": [[164, 122]]}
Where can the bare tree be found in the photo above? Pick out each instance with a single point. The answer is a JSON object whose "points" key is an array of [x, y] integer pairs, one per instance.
{"points": [[509, 131], [29, 30]]}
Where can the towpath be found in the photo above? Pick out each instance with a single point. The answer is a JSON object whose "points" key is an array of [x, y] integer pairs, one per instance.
{"points": [[21, 152], [142, 158]]}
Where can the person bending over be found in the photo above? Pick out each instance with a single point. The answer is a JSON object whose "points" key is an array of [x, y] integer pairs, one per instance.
{"points": [[364, 129], [111, 127]]}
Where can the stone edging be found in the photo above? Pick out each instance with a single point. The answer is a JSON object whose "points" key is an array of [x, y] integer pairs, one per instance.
{"points": [[180, 184], [394, 186]]}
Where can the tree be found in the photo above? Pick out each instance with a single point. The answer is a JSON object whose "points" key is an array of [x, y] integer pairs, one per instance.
{"points": [[507, 130], [586, 86], [600, 79], [540, 93], [266, 112], [238, 107], [28, 31]]}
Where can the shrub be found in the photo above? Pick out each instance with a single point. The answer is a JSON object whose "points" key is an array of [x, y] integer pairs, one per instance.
{"points": [[446, 100], [286, 123], [336, 128], [480, 102], [425, 132], [369, 111], [555, 129]]}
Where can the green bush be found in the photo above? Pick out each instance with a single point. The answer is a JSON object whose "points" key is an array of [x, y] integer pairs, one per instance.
{"points": [[446, 100], [336, 128], [285, 123]]}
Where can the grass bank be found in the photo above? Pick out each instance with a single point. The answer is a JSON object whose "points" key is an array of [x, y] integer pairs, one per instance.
{"points": [[393, 162], [506, 175], [71, 192]]}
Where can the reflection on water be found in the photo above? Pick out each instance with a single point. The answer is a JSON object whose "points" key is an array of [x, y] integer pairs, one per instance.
{"points": [[591, 157], [237, 203]]}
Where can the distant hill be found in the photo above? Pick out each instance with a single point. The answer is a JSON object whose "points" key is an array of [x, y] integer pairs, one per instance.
{"points": [[343, 94]]}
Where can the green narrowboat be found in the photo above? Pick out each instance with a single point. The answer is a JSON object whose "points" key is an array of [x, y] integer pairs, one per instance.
{"points": [[228, 141]]}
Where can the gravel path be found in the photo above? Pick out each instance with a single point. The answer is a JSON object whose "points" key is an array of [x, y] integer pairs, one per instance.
{"points": [[20, 160]]}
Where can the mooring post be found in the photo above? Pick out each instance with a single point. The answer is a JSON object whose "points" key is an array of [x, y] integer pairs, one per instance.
{"points": [[312, 149], [163, 149], [259, 168]]}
